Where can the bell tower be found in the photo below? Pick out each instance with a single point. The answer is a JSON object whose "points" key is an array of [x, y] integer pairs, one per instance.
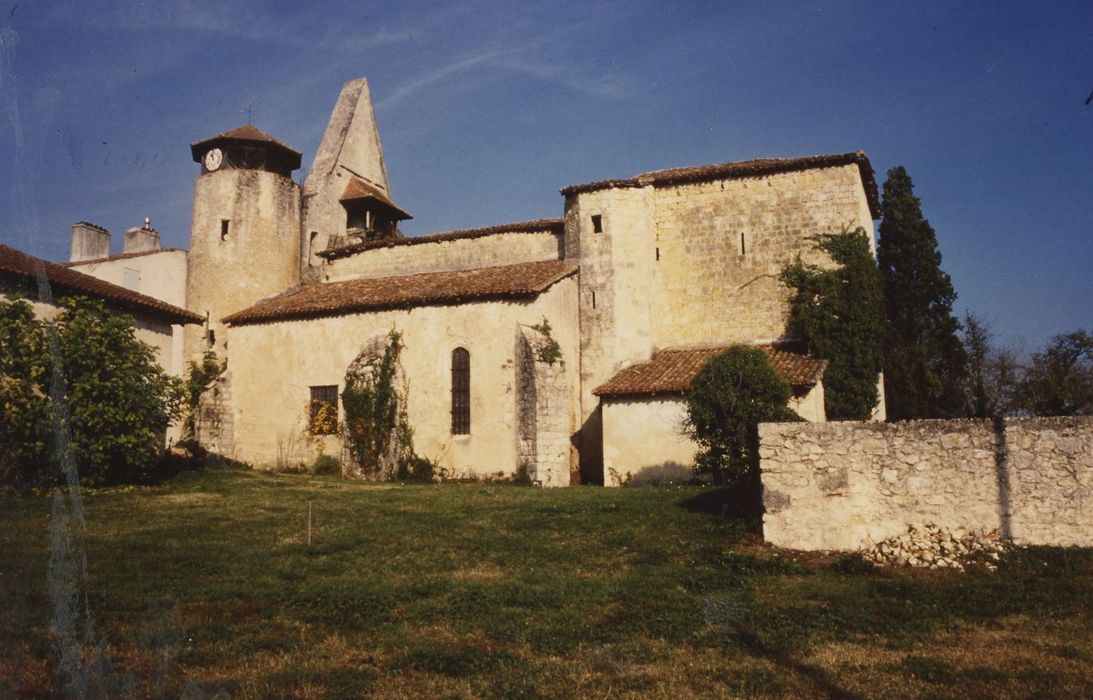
{"points": [[244, 243]]}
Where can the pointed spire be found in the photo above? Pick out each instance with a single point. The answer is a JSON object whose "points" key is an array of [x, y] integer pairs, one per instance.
{"points": [[350, 150], [351, 140]]}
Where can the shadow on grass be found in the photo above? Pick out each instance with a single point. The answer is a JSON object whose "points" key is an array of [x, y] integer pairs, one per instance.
{"points": [[818, 678], [742, 502]]}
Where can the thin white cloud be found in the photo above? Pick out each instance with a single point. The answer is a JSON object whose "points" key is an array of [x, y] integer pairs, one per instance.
{"points": [[403, 91]]}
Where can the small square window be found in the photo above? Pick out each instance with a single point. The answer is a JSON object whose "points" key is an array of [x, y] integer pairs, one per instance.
{"points": [[597, 223], [322, 416]]}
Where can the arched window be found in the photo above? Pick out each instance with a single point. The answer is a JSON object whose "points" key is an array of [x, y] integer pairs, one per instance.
{"points": [[461, 392]]}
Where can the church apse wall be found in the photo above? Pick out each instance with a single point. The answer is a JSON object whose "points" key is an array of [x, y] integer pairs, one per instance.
{"points": [[275, 365]]}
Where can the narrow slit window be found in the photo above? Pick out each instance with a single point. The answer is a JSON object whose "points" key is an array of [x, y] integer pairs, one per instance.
{"points": [[742, 251], [461, 392], [322, 416], [597, 223], [224, 224], [593, 299], [658, 252]]}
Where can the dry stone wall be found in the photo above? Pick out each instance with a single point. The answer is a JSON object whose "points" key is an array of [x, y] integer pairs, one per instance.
{"points": [[848, 485]]}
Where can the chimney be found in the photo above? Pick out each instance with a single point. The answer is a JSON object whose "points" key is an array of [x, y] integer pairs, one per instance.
{"points": [[141, 239], [89, 242]]}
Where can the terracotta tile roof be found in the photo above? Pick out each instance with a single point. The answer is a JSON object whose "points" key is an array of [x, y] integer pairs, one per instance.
{"points": [[359, 189], [122, 256], [742, 169], [672, 371], [243, 133], [433, 288], [65, 281], [555, 225]]}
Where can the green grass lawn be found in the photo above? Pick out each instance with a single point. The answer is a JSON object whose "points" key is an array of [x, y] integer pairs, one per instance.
{"points": [[207, 584]]}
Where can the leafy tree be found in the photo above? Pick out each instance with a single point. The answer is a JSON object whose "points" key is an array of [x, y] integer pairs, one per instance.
{"points": [[838, 314], [117, 402], [24, 407], [120, 400], [923, 357], [732, 393], [977, 348], [1059, 379], [992, 374]]}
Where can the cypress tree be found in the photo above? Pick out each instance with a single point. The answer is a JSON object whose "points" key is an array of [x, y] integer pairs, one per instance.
{"points": [[924, 361]]}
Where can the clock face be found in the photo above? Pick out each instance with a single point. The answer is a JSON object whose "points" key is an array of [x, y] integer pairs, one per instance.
{"points": [[213, 159]]}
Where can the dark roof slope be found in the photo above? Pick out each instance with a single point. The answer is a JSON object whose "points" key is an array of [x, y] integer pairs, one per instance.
{"points": [[672, 371], [554, 225], [61, 279], [745, 168], [433, 288], [245, 133]]}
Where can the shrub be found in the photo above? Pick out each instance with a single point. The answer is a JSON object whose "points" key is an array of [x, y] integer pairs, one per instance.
{"points": [[326, 464], [732, 393], [417, 468]]}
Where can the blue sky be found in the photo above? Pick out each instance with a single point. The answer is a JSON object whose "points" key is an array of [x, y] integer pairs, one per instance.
{"points": [[486, 109]]}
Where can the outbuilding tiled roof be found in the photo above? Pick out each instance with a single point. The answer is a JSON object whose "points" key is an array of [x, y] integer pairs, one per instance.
{"points": [[63, 280], [433, 288], [672, 371], [742, 169], [554, 225]]}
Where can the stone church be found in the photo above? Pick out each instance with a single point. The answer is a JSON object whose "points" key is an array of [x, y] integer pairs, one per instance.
{"points": [[639, 281]]}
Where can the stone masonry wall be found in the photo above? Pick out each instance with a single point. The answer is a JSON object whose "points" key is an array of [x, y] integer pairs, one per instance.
{"points": [[542, 411], [617, 271], [846, 485], [439, 256], [722, 244]]}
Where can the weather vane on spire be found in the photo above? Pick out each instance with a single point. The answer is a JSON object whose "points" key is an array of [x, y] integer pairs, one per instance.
{"points": [[249, 111]]}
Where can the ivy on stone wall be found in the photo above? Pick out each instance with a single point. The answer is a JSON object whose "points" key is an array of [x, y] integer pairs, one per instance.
{"points": [[378, 436], [547, 350], [839, 316], [200, 377]]}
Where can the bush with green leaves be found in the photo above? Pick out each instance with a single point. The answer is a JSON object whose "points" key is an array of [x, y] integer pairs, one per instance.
{"points": [[839, 316], [24, 401], [326, 464], [733, 392], [96, 384]]}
